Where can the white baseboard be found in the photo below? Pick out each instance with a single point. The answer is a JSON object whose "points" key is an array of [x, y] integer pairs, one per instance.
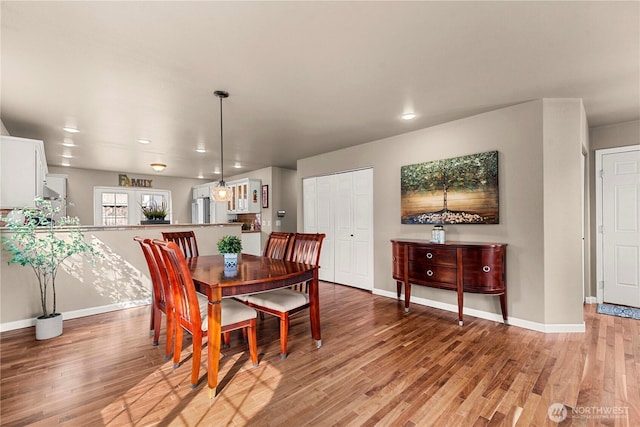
{"points": [[18, 324], [590, 300], [526, 324]]}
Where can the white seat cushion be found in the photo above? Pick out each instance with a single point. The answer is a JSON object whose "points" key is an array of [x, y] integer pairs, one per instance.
{"points": [[280, 299], [232, 311]]}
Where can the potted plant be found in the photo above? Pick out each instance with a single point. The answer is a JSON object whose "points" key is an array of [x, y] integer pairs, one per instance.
{"points": [[154, 213], [43, 244], [230, 246]]}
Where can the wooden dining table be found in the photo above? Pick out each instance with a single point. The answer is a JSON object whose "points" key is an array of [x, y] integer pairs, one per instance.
{"points": [[253, 274]]}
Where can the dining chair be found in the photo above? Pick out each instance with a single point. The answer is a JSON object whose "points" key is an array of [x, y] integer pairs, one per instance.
{"points": [[277, 245], [304, 248], [162, 298], [186, 241], [191, 310]]}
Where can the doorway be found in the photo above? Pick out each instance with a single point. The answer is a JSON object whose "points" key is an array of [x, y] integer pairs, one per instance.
{"points": [[618, 218], [341, 207]]}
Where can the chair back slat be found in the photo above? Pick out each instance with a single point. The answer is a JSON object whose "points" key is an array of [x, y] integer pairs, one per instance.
{"points": [[186, 241], [185, 300], [277, 245]]}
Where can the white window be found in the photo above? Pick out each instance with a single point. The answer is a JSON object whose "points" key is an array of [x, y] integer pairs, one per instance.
{"points": [[123, 205]]}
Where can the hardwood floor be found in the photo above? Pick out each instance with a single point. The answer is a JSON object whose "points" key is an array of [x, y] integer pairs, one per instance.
{"points": [[378, 366]]}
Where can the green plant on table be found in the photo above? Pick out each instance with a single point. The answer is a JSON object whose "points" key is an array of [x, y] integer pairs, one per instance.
{"points": [[230, 245]]}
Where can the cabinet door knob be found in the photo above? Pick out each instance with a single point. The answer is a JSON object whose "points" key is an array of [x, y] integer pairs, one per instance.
{"points": [[429, 255], [486, 269], [429, 273]]}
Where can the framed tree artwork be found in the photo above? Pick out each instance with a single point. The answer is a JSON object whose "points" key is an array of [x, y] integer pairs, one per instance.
{"points": [[460, 190]]}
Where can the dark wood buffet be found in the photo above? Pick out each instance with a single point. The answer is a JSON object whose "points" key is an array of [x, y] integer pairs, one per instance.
{"points": [[457, 266]]}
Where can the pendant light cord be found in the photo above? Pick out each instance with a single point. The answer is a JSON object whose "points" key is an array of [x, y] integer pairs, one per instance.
{"points": [[221, 146]]}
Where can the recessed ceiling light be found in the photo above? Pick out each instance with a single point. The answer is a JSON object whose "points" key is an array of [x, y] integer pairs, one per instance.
{"points": [[68, 142], [201, 150], [237, 166], [216, 171], [65, 164], [408, 116], [70, 129], [200, 176], [67, 156], [144, 141]]}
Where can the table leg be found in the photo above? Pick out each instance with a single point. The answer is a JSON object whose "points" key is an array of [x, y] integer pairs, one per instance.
{"points": [[214, 333], [314, 308]]}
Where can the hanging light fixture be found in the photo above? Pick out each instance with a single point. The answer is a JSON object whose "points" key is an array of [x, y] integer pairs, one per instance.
{"points": [[221, 192], [158, 167]]}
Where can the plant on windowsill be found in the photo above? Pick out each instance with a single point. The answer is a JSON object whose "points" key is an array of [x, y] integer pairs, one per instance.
{"points": [[37, 241], [230, 246], [154, 213]]}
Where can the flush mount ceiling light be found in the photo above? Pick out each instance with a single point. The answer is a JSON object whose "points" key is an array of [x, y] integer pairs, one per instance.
{"points": [[408, 116], [70, 129], [221, 192], [158, 167]]}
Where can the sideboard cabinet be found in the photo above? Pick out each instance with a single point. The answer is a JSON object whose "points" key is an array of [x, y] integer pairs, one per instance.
{"points": [[457, 266]]}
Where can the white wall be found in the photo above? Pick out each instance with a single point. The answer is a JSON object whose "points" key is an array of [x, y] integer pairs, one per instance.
{"points": [[518, 134]]}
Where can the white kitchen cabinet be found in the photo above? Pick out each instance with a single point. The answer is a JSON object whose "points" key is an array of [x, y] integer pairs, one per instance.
{"points": [[201, 191], [23, 171], [246, 196], [252, 243]]}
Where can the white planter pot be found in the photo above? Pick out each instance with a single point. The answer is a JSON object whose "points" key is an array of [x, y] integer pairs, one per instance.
{"points": [[49, 327], [230, 261]]}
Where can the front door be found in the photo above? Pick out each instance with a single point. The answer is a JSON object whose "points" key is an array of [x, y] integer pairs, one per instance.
{"points": [[621, 228]]}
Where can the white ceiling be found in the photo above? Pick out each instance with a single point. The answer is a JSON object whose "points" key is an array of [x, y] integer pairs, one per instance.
{"points": [[304, 77]]}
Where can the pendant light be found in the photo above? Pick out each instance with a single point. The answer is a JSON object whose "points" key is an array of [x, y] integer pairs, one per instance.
{"points": [[221, 192]]}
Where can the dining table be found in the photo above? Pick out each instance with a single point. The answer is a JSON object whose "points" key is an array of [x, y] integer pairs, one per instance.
{"points": [[253, 274]]}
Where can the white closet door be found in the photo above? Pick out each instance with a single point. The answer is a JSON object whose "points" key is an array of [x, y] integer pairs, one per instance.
{"points": [[309, 205], [325, 220], [621, 228], [354, 229], [318, 218]]}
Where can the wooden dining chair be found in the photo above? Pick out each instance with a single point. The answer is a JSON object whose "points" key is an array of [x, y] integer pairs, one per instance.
{"points": [[277, 245], [186, 241], [305, 249], [191, 310], [162, 298]]}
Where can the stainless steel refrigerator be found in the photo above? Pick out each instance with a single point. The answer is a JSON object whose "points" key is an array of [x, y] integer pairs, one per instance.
{"points": [[207, 211]]}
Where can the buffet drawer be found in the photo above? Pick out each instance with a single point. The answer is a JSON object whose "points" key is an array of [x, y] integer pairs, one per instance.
{"points": [[420, 273], [431, 255]]}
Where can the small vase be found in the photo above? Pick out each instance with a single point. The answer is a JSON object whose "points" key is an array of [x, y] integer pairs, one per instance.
{"points": [[230, 261], [48, 327]]}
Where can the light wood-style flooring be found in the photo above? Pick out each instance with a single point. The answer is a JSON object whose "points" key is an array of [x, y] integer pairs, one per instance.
{"points": [[378, 366]]}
